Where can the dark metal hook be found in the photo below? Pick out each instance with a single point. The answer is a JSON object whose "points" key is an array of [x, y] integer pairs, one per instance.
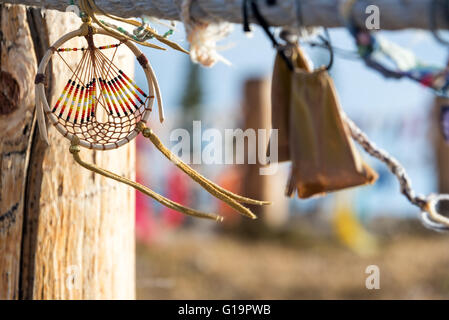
{"points": [[328, 44], [265, 26]]}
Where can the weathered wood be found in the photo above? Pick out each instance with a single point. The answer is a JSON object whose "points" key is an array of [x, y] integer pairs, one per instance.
{"points": [[395, 14], [65, 233], [16, 122]]}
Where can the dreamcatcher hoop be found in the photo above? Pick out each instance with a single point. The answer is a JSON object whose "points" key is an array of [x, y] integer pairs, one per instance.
{"points": [[42, 104]]}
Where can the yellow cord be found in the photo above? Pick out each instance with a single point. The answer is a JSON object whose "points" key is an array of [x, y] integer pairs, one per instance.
{"points": [[233, 200], [230, 198], [75, 150]]}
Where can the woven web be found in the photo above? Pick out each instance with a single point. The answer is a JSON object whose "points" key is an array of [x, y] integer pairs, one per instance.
{"points": [[100, 103]]}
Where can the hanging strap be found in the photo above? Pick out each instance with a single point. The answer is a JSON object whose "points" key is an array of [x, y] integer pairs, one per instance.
{"points": [[265, 26]]}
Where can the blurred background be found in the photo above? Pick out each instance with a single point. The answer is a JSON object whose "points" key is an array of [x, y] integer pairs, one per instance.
{"points": [[298, 249]]}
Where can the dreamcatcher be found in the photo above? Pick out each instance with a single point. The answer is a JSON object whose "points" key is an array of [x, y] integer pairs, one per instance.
{"points": [[101, 108]]}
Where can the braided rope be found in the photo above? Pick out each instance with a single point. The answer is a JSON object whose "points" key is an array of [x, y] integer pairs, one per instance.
{"points": [[428, 205], [393, 165]]}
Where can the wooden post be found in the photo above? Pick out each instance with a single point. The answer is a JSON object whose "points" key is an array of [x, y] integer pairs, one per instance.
{"points": [[441, 147], [65, 233], [257, 115]]}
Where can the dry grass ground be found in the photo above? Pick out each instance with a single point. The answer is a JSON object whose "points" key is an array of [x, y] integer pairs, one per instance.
{"points": [[193, 266]]}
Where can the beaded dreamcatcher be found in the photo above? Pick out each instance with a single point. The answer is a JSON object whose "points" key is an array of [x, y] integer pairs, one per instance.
{"points": [[101, 108]]}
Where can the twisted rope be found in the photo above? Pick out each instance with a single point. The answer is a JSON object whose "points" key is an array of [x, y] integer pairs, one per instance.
{"points": [[428, 205], [393, 165]]}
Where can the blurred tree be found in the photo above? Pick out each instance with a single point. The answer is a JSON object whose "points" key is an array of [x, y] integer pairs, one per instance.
{"points": [[192, 96], [191, 100], [441, 148]]}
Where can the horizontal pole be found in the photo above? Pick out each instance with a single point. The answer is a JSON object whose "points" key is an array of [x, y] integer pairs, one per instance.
{"points": [[394, 14]]}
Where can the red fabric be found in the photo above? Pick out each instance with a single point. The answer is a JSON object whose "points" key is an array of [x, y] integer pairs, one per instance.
{"points": [[146, 228], [230, 179], [176, 190]]}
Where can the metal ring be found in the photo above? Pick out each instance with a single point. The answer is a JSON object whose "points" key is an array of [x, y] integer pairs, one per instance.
{"points": [[431, 218]]}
